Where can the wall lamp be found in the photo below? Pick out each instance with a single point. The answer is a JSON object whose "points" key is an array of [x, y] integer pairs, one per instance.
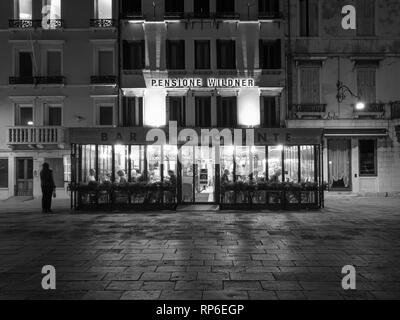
{"points": [[343, 91]]}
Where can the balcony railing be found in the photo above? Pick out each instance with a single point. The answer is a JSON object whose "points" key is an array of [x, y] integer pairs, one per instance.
{"points": [[22, 24], [373, 110], [174, 15], [102, 23], [35, 135], [22, 80], [49, 80], [133, 16], [395, 110], [200, 15], [308, 110], [227, 15], [36, 80], [52, 24], [272, 15], [103, 79]]}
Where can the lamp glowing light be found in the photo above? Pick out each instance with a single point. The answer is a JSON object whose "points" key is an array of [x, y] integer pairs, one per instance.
{"points": [[360, 106]]}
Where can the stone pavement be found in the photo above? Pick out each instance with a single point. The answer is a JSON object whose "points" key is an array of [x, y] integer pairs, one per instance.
{"points": [[202, 255]]}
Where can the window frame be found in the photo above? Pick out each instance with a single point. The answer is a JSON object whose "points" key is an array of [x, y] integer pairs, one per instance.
{"points": [[219, 56], [17, 10], [196, 42], [375, 174], [5, 181], [96, 10], [17, 113]]}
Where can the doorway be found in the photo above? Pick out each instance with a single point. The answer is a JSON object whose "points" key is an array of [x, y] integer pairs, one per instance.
{"points": [[339, 164], [24, 186], [198, 175]]}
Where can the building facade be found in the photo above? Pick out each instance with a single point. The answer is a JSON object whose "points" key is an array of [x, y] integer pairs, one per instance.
{"points": [[58, 71], [89, 86], [332, 70]]}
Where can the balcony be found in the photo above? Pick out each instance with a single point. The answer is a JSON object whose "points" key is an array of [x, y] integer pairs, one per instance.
{"points": [[53, 24], [271, 15], [35, 135], [49, 80], [371, 110], [395, 110], [22, 80], [102, 23], [103, 80], [227, 15], [22, 24], [300, 111], [174, 15], [133, 16]]}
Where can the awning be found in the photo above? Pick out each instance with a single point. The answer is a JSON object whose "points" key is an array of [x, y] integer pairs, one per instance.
{"points": [[355, 132]]}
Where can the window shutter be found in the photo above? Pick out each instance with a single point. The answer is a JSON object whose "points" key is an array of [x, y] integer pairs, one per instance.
{"points": [[365, 17], [234, 112], [182, 61], [314, 18], [261, 53], [218, 54], [366, 83], [277, 54]]}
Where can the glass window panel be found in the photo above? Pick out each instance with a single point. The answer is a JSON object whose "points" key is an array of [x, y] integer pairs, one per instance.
{"points": [[154, 163], [187, 161], [67, 168], [105, 163], [243, 163], [291, 157], [54, 63], [121, 163], [226, 160], [3, 173], [88, 163], [106, 63], [104, 9], [275, 163], [106, 115], [170, 160], [54, 9], [258, 163], [25, 9], [204, 174], [137, 164], [307, 163], [367, 157], [26, 116]]}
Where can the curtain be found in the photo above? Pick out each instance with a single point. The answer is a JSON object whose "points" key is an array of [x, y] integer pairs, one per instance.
{"points": [[339, 163], [291, 160], [307, 163]]}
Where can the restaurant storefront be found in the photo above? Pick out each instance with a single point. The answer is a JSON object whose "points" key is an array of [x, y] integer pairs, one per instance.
{"points": [[124, 168]]}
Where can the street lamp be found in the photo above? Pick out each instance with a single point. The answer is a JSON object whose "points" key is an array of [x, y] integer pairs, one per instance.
{"points": [[343, 90]]}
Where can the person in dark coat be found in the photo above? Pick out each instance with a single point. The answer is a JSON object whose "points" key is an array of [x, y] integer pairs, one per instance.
{"points": [[48, 187]]}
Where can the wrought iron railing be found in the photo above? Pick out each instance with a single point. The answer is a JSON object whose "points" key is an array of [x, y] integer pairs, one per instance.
{"points": [[372, 107], [102, 23], [309, 107], [103, 79], [49, 80], [270, 15], [22, 23], [174, 15], [52, 24], [227, 15], [22, 80]]}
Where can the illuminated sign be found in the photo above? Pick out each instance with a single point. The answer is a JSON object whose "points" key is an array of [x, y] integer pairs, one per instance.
{"points": [[201, 83]]}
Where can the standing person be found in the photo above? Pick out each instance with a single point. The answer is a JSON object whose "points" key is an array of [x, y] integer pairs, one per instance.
{"points": [[48, 187]]}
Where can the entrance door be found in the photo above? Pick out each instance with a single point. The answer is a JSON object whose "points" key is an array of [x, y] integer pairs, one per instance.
{"points": [[24, 177], [339, 164], [198, 174]]}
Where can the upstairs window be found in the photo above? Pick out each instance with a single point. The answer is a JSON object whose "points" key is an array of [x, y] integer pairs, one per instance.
{"points": [[202, 54], [365, 17], [269, 113], [103, 9], [54, 65], [176, 54], [53, 115], [203, 111], [24, 115], [226, 54], [132, 112], [53, 9], [174, 6], [23, 9], [310, 85], [268, 7], [227, 112], [368, 158], [270, 54], [225, 6], [366, 82], [105, 63], [309, 18], [106, 115], [131, 8], [201, 7], [25, 64], [134, 55], [176, 110]]}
